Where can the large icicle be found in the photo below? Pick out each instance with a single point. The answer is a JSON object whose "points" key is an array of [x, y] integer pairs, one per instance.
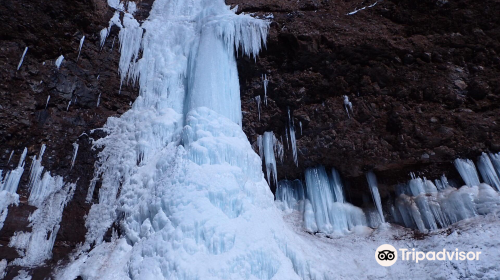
{"points": [[291, 125], [372, 183], [488, 172], [75, 151], [467, 170], [80, 47], [269, 158], [22, 58]]}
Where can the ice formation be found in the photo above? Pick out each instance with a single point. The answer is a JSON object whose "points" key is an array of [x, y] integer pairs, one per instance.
{"points": [[10, 156], [323, 212], [488, 172], [22, 58], [290, 195], [59, 61], [98, 100], [257, 99], [47, 102], [80, 47], [372, 184], [265, 82], [269, 141], [177, 169], [467, 170], [347, 105], [103, 35], [291, 125], [75, 151], [67, 107], [8, 187], [50, 195]]}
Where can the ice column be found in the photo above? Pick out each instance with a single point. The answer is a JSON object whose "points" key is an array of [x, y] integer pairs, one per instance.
{"points": [[467, 171], [372, 183]]}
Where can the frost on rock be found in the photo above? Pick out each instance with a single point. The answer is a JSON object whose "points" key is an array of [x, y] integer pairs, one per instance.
{"points": [[22, 58], [59, 60], [8, 187]]}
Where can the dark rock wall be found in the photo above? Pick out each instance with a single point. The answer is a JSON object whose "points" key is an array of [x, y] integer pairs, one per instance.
{"points": [[423, 78]]}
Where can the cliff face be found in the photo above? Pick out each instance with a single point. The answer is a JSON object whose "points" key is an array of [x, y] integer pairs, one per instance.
{"points": [[422, 77]]}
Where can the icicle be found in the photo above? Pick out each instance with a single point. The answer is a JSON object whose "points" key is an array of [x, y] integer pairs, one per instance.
{"points": [[442, 183], [59, 60], [10, 157], [279, 151], [11, 180], [467, 171], [22, 58], [321, 212], [257, 99], [337, 186], [47, 103], [261, 146], [80, 47], [265, 81], [347, 105], [300, 124], [372, 183], [488, 172], [269, 158], [36, 169], [104, 35], [75, 151], [67, 107], [113, 44], [291, 125], [291, 194], [98, 99]]}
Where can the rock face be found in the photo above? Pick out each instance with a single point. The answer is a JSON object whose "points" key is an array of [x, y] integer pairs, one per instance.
{"points": [[422, 77]]}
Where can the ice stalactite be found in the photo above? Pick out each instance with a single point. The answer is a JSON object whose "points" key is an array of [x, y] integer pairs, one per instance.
{"points": [[291, 125], [69, 104], [47, 102], [75, 152], [347, 105], [103, 35], [265, 82], [98, 100], [290, 195], [22, 58], [300, 124], [467, 171], [59, 61], [322, 211], [257, 100], [488, 172], [8, 187], [80, 47], [269, 141], [10, 156]]}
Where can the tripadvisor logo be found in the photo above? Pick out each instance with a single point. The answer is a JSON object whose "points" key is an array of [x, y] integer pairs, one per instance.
{"points": [[387, 255]]}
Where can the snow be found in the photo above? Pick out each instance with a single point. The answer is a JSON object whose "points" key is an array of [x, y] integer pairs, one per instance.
{"points": [[3, 266], [22, 58], [59, 60], [22, 275]]}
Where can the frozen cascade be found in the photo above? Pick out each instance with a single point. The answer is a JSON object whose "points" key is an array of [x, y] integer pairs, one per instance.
{"points": [[80, 47], [59, 61], [467, 171], [75, 151], [488, 172], [50, 195], [372, 183], [322, 211], [291, 125], [178, 168], [290, 195], [8, 187], [22, 58]]}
